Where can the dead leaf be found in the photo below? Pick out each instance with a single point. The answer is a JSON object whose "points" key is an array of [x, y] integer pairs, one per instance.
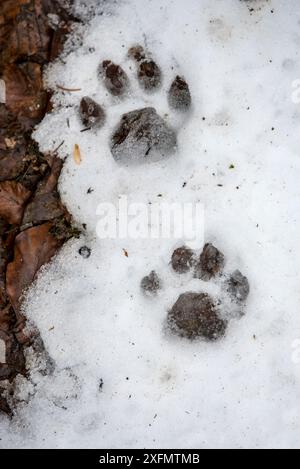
{"points": [[13, 196], [125, 252], [44, 207], [46, 204], [25, 31], [77, 154], [33, 248], [11, 164], [25, 96]]}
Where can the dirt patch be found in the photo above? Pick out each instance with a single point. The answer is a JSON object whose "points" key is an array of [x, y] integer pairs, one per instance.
{"points": [[211, 262], [148, 72], [179, 95], [139, 133], [151, 283], [195, 315], [183, 259], [114, 77]]}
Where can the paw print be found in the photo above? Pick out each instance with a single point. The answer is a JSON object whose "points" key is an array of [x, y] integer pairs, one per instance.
{"points": [[140, 133], [197, 314]]}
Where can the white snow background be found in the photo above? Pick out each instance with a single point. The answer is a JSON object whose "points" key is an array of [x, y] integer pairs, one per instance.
{"points": [[119, 379]]}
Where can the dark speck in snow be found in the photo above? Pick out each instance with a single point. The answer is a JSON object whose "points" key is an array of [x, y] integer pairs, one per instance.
{"points": [[85, 252]]}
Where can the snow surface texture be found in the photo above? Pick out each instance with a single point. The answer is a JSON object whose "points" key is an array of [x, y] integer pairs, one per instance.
{"points": [[119, 380]]}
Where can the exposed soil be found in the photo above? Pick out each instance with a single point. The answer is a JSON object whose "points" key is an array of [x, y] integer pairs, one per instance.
{"points": [[149, 75], [33, 222], [91, 113], [195, 315], [114, 77], [238, 286], [183, 259], [179, 95], [211, 262], [151, 283], [140, 132], [148, 72]]}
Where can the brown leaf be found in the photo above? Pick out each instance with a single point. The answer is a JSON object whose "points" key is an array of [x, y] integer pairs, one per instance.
{"points": [[44, 207], [13, 196], [25, 96], [11, 164], [33, 248], [58, 40], [46, 204], [6, 251], [49, 183], [9, 126], [24, 30], [7, 319]]}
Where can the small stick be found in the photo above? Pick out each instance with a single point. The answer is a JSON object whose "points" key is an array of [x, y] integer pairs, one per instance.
{"points": [[56, 149]]}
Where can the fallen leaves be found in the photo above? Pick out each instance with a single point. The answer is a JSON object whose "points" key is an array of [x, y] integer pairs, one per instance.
{"points": [[28, 40]]}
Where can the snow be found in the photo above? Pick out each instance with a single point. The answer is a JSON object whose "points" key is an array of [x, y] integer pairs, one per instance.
{"points": [[120, 380]]}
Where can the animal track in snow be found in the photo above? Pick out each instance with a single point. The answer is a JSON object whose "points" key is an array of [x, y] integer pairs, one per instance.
{"points": [[141, 133], [196, 313]]}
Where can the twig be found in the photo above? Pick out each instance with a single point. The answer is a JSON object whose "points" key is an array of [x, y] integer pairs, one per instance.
{"points": [[63, 88], [56, 149]]}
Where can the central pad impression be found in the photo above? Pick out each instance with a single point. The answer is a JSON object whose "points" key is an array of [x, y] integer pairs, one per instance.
{"points": [[195, 315], [141, 134]]}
